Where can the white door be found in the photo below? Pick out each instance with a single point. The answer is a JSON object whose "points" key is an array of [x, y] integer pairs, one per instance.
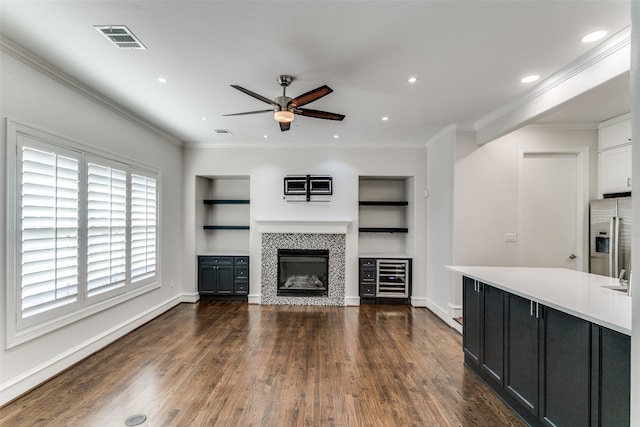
{"points": [[550, 209]]}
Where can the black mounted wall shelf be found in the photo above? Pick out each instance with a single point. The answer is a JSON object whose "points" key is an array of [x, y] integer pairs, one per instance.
{"points": [[382, 203], [225, 202], [383, 230], [226, 227]]}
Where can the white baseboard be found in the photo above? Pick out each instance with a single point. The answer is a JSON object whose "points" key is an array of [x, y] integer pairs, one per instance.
{"points": [[455, 310], [21, 384], [190, 298], [418, 302], [351, 301], [442, 314], [254, 299]]}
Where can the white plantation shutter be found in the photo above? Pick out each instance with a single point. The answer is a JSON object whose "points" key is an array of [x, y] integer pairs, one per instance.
{"points": [[85, 232], [143, 227], [106, 229], [49, 231]]}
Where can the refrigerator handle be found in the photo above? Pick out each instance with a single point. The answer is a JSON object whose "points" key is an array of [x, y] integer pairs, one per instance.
{"points": [[616, 253], [612, 246]]}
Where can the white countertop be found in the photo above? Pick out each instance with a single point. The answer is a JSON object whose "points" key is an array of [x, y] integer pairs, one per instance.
{"points": [[223, 253], [573, 292]]}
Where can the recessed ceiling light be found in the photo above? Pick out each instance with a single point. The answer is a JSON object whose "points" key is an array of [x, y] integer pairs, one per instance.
{"points": [[336, 136], [203, 118], [385, 118], [162, 79], [592, 37], [266, 136], [530, 78], [412, 79]]}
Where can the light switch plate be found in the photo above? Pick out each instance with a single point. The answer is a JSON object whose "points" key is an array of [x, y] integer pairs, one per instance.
{"points": [[510, 237]]}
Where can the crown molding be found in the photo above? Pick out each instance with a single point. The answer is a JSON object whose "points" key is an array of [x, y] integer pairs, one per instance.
{"points": [[331, 145], [18, 52], [565, 125], [615, 43]]}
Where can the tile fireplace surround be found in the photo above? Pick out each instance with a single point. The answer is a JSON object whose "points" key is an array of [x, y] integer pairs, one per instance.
{"points": [[303, 235]]}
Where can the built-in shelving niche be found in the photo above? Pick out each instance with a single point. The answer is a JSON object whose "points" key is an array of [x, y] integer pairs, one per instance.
{"points": [[385, 216], [223, 207]]}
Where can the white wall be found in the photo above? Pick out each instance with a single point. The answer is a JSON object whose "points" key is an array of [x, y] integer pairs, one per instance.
{"points": [[31, 97], [440, 183], [266, 165]]}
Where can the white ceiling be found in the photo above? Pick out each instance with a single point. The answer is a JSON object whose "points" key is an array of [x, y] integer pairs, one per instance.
{"points": [[468, 57]]}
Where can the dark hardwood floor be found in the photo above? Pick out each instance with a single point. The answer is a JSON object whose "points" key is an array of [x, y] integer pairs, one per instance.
{"points": [[234, 364]]}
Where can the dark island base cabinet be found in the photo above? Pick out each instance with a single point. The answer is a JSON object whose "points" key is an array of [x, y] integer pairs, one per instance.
{"points": [[552, 368], [222, 276], [483, 329]]}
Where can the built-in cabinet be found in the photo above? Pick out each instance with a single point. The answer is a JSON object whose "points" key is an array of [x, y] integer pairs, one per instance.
{"points": [[614, 156], [223, 275], [222, 236], [553, 368]]}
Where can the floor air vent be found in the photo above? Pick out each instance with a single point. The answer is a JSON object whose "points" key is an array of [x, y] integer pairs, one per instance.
{"points": [[121, 36], [135, 420]]}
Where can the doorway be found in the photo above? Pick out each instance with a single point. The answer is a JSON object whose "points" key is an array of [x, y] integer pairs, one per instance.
{"points": [[552, 207]]}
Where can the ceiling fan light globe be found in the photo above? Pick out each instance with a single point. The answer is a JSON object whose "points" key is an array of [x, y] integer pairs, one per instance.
{"points": [[283, 116]]}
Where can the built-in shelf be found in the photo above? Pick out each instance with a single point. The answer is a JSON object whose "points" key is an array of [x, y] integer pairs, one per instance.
{"points": [[226, 227], [382, 203], [383, 230], [225, 202]]}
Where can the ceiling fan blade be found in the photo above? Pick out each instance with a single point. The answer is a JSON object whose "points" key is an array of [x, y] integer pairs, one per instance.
{"points": [[255, 95], [310, 96], [285, 126], [250, 112], [318, 114]]}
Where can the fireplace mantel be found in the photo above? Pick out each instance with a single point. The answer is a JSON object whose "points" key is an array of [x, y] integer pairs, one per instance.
{"points": [[297, 226]]}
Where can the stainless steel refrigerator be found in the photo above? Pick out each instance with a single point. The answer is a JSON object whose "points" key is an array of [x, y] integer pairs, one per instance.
{"points": [[610, 237]]}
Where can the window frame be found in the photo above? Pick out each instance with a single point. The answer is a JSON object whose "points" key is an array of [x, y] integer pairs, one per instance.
{"points": [[19, 329]]}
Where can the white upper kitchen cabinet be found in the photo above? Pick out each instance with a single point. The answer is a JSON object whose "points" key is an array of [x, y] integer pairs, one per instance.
{"points": [[614, 155]]}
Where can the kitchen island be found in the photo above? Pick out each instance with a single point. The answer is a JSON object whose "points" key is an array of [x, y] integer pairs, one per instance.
{"points": [[553, 343]]}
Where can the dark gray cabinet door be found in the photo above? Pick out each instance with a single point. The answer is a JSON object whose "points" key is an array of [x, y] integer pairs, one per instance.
{"points": [[566, 368], [225, 279], [216, 275], [471, 317], [492, 340], [615, 379], [522, 353], [206, 277]]}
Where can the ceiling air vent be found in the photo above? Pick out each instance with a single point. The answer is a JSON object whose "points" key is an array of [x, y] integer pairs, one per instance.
{"points": [[121, 36], [222, 131]]}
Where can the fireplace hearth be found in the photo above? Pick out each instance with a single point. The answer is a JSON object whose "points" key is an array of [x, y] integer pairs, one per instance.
{"points": [[303, 272]]}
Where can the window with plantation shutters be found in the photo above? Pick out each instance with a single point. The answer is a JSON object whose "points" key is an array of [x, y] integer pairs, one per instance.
{"points": [[49, 224], [85, 232], [106, 229], [143, 227]]}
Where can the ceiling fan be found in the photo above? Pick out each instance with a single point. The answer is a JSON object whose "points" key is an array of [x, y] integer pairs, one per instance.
{"points": [[284, 108]]}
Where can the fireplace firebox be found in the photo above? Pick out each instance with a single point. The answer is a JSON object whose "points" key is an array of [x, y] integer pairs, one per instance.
{"points": [[303, 272]]}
